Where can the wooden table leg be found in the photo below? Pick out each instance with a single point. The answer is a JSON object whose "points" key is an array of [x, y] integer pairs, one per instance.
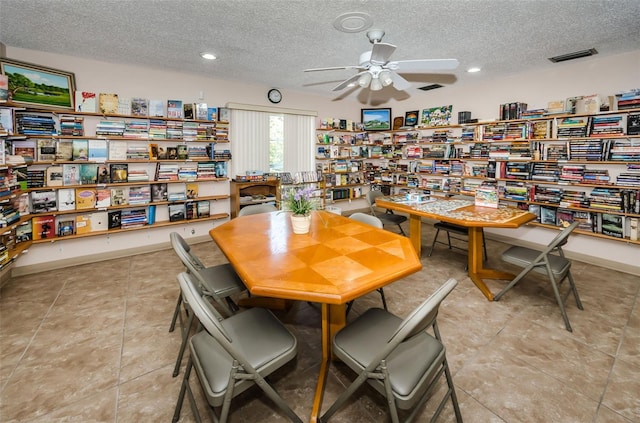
{"points": [[415, 232], [476, 264], [333, 319]]}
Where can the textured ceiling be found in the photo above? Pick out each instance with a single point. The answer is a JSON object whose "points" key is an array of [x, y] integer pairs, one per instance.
{"points": [[271, 42]]}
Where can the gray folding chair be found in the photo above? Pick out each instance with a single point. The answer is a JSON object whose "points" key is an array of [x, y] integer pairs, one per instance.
{"points": [[373, 221], [233, 354], [387, 217], [257, 209], [398, 358], [218, 282], [556, 267]]}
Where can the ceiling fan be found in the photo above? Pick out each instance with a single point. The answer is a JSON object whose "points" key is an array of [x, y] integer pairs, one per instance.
{"points": [[377, 71]]}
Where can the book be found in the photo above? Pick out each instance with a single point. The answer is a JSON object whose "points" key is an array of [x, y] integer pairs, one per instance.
{"points": [[174, 109], [189, 110], [224, 114], [64, 150], [43, 201], [71, 174], [83, 224], [54, 176], [85, 101], [158, 192], [46, 150], [192, 190], [172, 153], [119, 172], [202, 208], [486, 196], [124, 106], [119, 196], [177, 212], [66, 199], [548, 215], [117, 150], [43, 227], [85, 198], [66, 226], [88, 173], [108, 103], [201, 111], [612, 225], [153, 151], [99, 221], [103, 174], [156, 108], [212, 113], [80, 150], [103, 197], [182, 152], [98, 150], [114, 219], [26, 149], [139, 106]]}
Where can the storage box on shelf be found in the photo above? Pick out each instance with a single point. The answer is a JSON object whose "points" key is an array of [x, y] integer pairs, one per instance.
{"points": [[89, 173], [246, 193]]}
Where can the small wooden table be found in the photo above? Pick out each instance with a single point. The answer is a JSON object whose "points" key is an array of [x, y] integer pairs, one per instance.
{"points": [[339, 260], [468, 215]]}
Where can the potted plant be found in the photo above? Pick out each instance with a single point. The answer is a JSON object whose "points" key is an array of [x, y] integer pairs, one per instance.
{"points": [[299, 203]]}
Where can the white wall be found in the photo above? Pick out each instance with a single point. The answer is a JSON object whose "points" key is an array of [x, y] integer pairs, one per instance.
{"points": [[604, 76]]}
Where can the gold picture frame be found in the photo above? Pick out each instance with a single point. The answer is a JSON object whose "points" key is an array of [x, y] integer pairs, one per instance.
{"points": [[38, 86]]}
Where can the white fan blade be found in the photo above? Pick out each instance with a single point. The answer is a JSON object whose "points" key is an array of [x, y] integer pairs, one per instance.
{"points": [[423, 65], [346, 82], [399, 83], [333, 68], [381, 52]]}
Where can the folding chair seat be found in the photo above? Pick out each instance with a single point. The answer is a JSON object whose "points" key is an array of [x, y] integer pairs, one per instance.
{"points": [[233, 354], [387, 217], [373, 221], [555, 266], [398, 358], [257, 209], [218, 282]]}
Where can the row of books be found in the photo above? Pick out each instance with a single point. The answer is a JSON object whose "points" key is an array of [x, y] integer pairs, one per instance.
{"points": [[113, 173], [608, 224], [69, 199], [114, 104], [99, 150]]}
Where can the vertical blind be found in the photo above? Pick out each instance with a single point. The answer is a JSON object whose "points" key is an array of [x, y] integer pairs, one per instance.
{"points": [[249, 135]]}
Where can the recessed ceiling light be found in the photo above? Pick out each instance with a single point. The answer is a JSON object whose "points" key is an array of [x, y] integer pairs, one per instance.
{"points": [[353, 22], [473, 70], [208, 56]]}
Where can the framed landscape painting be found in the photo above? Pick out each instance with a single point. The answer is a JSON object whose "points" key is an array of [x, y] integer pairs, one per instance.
{"points": [[38, 86], [376, 119]]}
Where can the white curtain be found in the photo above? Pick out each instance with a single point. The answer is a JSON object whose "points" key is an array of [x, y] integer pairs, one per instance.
{"points": [[249, 139], [299, 143]]}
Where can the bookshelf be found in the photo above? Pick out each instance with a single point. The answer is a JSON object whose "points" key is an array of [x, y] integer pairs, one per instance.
{"points": [[246, 193], [90, 174], [340, 156], [562, 167]]}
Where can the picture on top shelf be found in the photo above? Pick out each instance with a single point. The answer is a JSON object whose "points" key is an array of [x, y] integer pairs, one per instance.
{"points": [[212, 113], [436, 116], [411, 118], [139, 107], [224, 114], [376, 119], [398, 122], [86, 102], [174, 109], [156, 108], [108, 103], [25, 80], [201, 112]]}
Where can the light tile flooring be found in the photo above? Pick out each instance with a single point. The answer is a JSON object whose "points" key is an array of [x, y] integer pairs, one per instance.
{"points": [[90, 344]]}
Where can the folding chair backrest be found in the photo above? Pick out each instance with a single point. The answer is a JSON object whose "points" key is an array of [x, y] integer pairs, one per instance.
{"points": [[183, 250], [367, 219], [371, 199], [424, 315], [561, 238], [195, 285], [257, 209]]}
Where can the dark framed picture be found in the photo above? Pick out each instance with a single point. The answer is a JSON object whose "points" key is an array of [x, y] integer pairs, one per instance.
{"points": [[376, 119], [411, 118], [398, 122], [38, 86]]}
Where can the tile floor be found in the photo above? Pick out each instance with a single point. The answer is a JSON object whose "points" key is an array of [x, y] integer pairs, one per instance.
{"points": [[91, 344]]}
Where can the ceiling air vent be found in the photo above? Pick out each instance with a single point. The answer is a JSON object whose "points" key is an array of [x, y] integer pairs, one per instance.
{"points": [[430, 87], [574, 55]]}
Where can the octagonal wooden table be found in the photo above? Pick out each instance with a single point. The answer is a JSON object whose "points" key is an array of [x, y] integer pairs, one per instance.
{"points": [[339, 260]]}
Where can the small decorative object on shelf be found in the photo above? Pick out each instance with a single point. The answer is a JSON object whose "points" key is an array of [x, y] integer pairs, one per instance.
{"points": [[300, 204]]}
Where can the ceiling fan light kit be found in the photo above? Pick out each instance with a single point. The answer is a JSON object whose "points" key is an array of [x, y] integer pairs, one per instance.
{"points": [[376, 71]]}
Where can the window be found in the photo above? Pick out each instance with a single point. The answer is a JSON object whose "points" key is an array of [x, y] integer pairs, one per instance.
{"points": [[276, 143]]}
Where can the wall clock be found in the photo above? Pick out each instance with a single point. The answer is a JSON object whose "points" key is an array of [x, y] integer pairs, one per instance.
{"points": [[274, 96]]}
